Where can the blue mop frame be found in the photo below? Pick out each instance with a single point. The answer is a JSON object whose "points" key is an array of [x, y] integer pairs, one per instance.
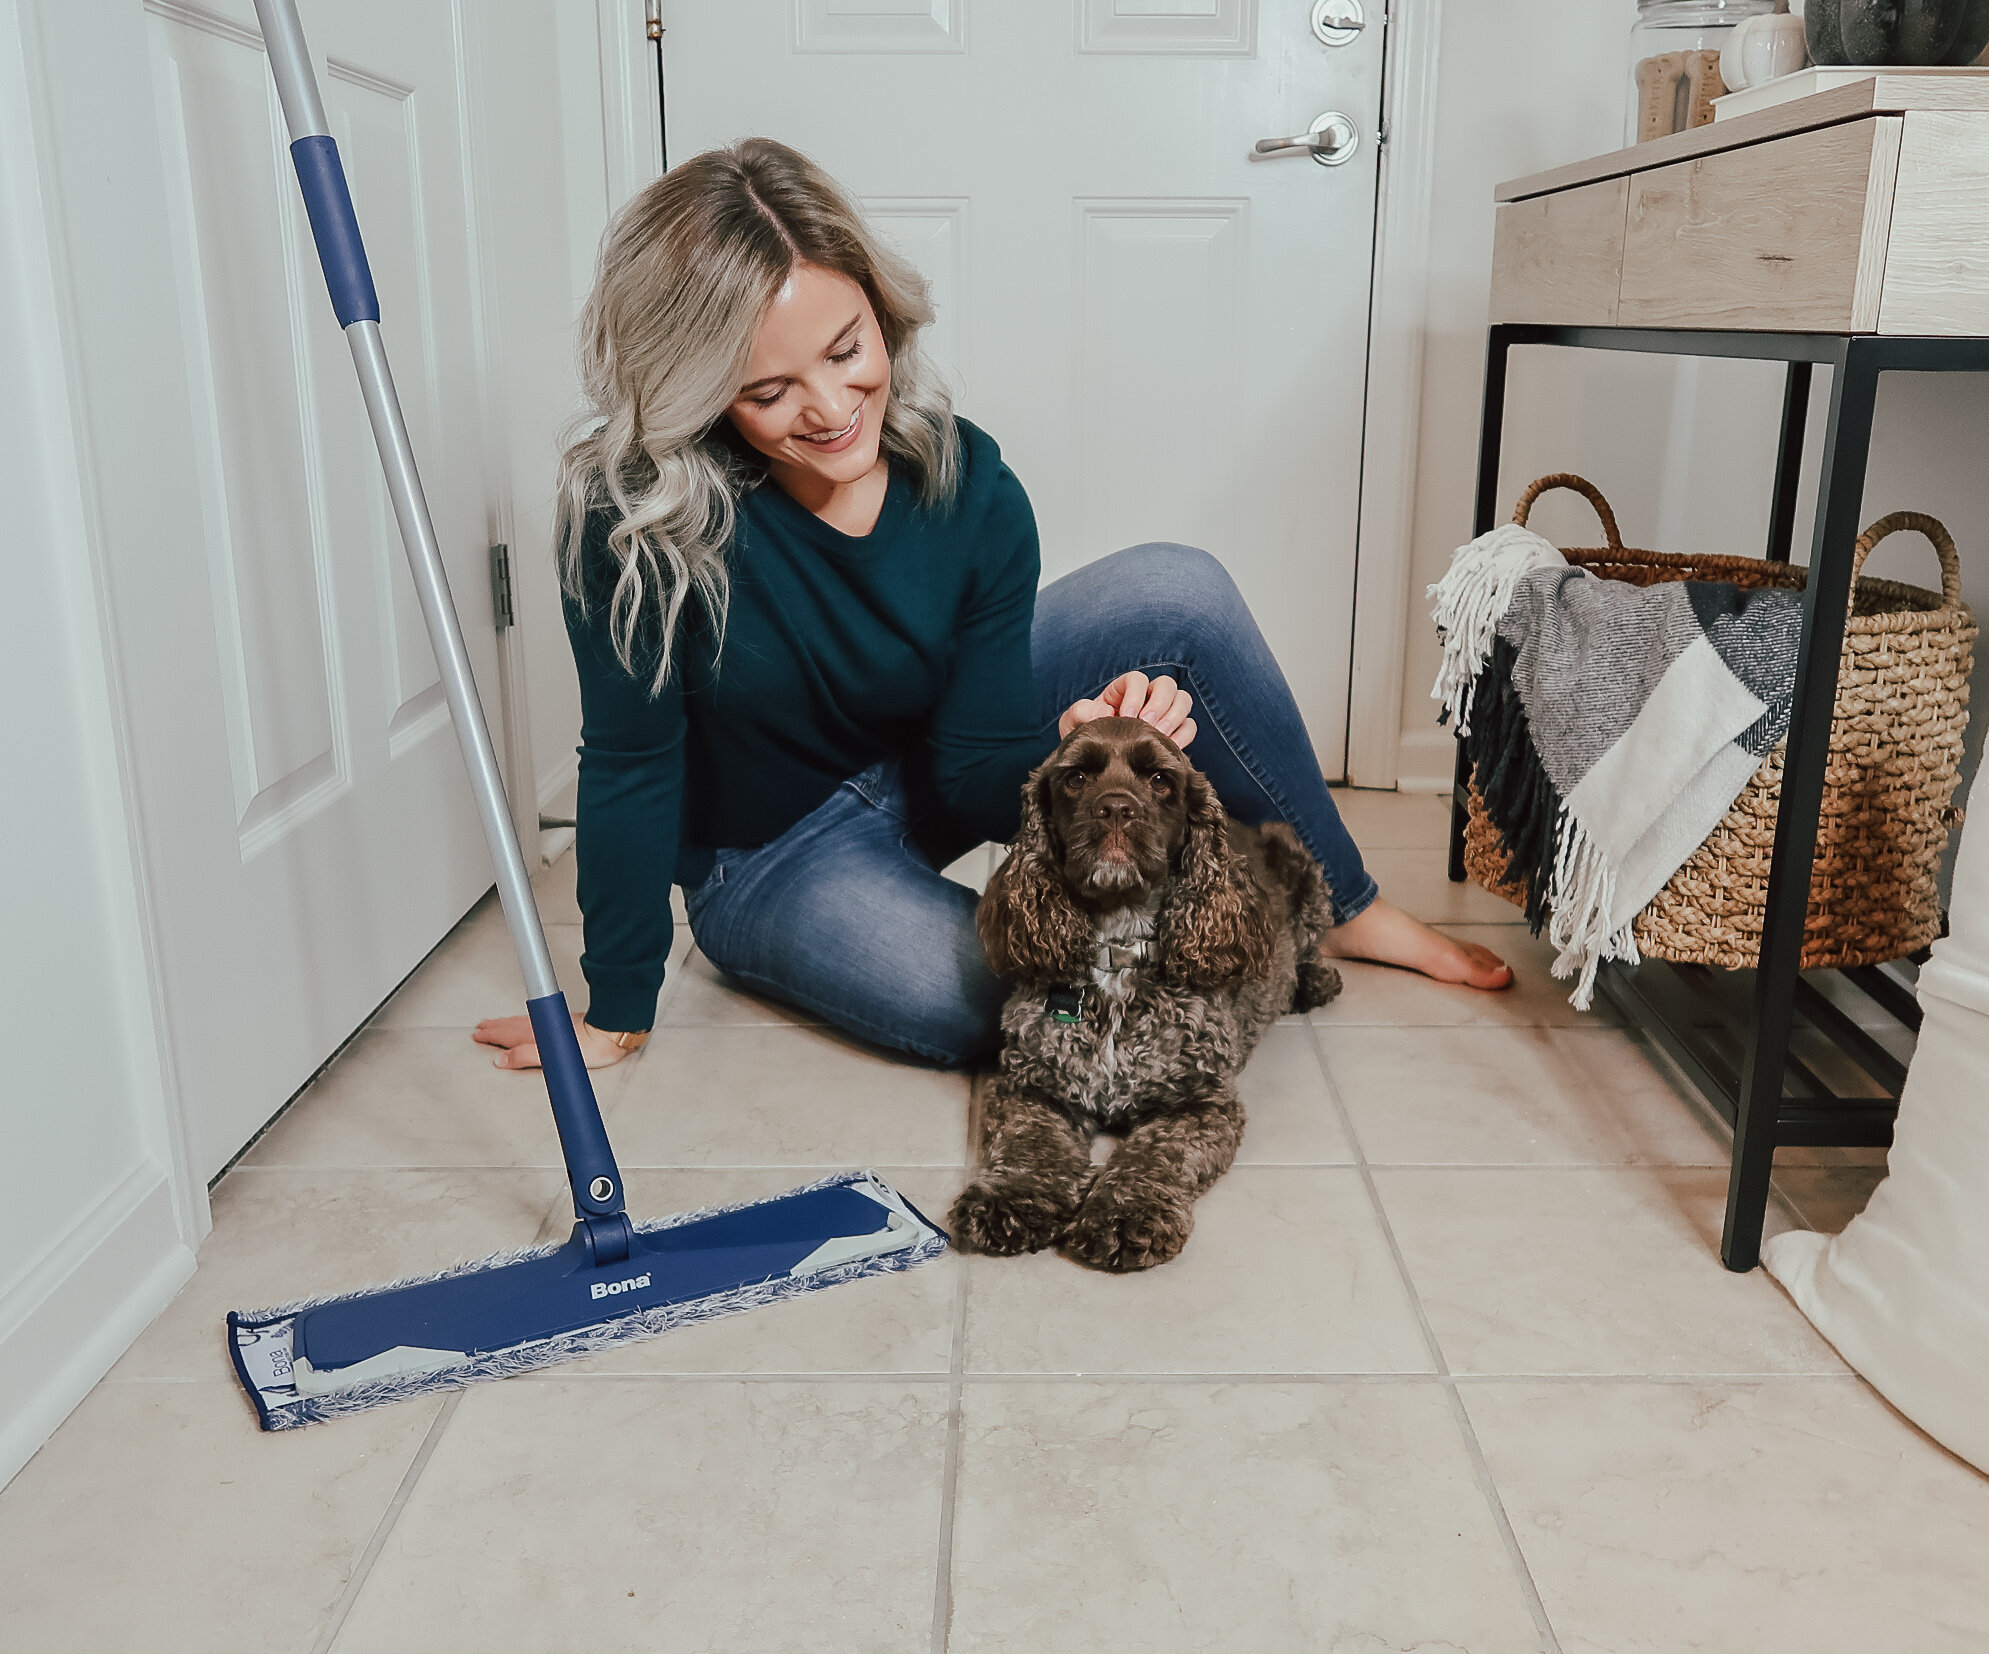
{"points": [[688, 1251]]}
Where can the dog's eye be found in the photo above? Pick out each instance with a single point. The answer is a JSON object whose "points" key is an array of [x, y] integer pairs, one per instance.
{"points": [[1161, 782], [1074, 781]]}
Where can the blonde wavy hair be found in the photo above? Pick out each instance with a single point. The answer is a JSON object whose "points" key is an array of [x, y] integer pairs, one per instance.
{"points": [[686, 271]]}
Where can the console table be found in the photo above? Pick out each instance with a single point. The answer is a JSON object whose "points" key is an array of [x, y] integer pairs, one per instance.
{"points": [[1845, 229]]}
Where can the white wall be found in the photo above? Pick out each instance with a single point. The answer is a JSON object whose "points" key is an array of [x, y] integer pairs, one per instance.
{"points": [[91, 1243], [1685, 451]]}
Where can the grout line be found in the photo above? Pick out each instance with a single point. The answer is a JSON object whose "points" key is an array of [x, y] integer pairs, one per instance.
{"points": [[1650, 1378], [1353, 1024], [1639, 1166], [1481, 1470], [965, 1378], [363, 1570], [113, 1377], [858, 1375], [798, 1167], [949, 1480], [1107, 1377], [558, 1374]]}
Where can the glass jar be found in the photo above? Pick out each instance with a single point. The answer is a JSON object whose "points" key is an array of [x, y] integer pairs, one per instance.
{"points": [[1944, 32], [1675, 62]]}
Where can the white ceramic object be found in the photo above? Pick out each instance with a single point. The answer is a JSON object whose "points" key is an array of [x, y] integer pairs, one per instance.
{"points": [[1763, 49]]}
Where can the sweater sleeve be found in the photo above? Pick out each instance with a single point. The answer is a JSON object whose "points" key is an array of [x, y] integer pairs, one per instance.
{"points": [[985, 732], [629, 813]]}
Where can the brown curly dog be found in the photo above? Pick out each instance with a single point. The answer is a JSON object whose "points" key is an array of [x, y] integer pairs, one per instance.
{"points": [[1150, 941]]}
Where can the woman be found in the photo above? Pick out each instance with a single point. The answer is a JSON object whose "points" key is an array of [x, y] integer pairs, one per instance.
{"points": [[814, 664]]}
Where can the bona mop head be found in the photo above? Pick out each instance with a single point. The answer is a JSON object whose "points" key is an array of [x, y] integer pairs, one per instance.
{"points": [[325, 1357], [611, 1280]]}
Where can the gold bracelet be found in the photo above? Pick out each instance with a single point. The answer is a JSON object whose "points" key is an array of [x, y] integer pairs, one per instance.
{"points": [[629, 1039]]}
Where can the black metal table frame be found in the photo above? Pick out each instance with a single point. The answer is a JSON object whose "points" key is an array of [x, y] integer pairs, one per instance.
{"points": [[1752, 1100]]}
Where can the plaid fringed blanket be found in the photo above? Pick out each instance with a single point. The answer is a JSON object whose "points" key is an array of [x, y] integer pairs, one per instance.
{"points": [[1609, 726]]}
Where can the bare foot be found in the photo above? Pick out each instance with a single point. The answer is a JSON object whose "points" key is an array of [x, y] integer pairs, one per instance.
{"points": [[1386, 935]]}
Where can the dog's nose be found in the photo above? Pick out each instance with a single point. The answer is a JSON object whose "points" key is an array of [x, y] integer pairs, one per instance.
{"points": [[1115, 809]]}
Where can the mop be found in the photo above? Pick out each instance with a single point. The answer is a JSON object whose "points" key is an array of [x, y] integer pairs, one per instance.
{"points": [[611, 1280]]}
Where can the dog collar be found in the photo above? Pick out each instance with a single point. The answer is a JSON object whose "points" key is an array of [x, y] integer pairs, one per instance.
{"points": [[1065, 1004], [1119, 956]]}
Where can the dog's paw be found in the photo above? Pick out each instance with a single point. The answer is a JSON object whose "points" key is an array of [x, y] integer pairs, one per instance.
{"points": [[1318, 984], [1004, 1217], [1126, 1230]]}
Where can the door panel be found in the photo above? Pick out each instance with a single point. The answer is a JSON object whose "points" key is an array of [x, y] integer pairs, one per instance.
{"points": [[343, 844], [374, 122], [933, 235], [1204, 28], [1166, 334], [1145, 265], [236, 263], [880, 25]]}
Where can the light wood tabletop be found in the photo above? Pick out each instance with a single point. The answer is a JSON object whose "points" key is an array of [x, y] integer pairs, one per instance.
{"points": [[1859, 210]]}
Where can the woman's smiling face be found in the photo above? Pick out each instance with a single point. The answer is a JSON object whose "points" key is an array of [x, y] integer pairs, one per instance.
{"points": [[816, 386]]}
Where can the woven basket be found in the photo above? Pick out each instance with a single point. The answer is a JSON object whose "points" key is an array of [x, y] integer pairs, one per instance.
{"points": [[1895, 754]]}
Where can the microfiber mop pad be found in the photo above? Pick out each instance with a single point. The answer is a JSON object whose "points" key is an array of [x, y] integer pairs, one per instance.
{"points": [[322, 1358]]}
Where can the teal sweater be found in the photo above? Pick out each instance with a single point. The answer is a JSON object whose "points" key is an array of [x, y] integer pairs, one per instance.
{"points": [[912, 641]]}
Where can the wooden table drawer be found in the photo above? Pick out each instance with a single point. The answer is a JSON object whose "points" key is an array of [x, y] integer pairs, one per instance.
{"points": [[1558, 258], [1787, 235]]}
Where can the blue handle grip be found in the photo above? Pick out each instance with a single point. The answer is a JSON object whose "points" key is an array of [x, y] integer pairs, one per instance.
{"points": [[582, 1138], [335, 227]]}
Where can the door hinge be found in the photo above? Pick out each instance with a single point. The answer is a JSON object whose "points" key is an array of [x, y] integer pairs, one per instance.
{"points": [[653, 19], [500, 586]]}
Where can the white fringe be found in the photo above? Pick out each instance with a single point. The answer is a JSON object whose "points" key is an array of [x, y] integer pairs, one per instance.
{"points": [[1581, 896], [1469, 602]]}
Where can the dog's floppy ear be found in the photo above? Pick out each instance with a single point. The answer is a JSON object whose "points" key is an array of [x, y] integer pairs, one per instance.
{"points": [[1029, 925], [1217, 926]]}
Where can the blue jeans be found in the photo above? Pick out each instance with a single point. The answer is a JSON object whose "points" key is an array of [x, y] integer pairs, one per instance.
{"points": [[846, 914]]}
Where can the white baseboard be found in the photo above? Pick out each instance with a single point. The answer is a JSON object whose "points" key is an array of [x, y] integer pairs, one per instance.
{"points": [[1425, 761], [554, 842], [558, 778], [65, 1322]]}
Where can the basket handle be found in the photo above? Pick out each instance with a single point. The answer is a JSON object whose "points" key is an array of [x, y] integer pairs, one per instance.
{"points": [[1583, 487], [1935, 530]]}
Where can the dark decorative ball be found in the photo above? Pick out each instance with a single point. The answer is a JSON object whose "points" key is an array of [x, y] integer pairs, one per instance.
{"points": [[1887, 32]]}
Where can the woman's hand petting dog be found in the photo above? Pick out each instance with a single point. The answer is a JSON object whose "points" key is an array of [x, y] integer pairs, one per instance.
{"points": [[1160, 702], [1149, 941]]}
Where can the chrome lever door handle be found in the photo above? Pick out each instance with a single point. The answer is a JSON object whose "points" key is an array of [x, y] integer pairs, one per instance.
{"points": [[1331, 141]]}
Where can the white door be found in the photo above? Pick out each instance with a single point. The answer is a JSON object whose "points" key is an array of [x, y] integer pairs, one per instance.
{"points": [[1166, 333], [304, 816]]}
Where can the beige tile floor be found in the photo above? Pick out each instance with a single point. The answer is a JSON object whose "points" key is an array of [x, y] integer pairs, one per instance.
{"points": [[1450, 1364]]}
